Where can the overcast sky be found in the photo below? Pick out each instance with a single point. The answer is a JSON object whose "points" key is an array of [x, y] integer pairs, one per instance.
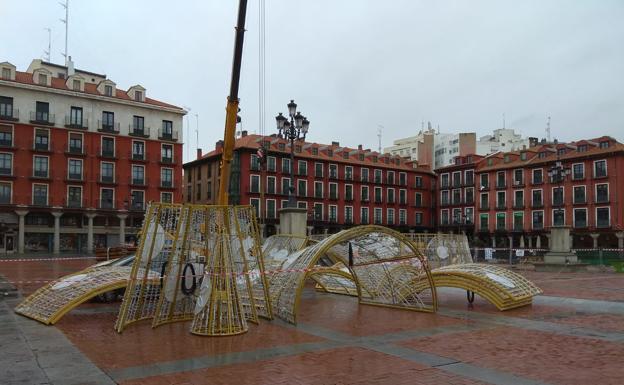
{"points": [[353, 65]]}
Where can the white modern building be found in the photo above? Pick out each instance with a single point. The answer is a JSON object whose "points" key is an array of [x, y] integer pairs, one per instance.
{"points": [[503, 139]]}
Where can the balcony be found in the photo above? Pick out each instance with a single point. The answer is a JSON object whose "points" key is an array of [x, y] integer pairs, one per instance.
{"points": [[602, 224], [76, 151], [41, 147], [602, 199], [469, 201], [442, 203], [302, 172], [40, 200], [9, 114], [518, 206], [169, 184], [518, 183], [166, 160], [456, 184], [557, 203], [108, 128], [137, 206], [106, 204], [501, 186], [82, 124], [469, 183], [40, 174], [106, 179], [578, 177], [137, 157], [348, 198], [167, 135], [537, 205], [137, 182], [74, 177], [107, 153], [138, 131], [333, 175], [579, 201], [42, 118], [7, 172], [72, 203], [484, 207], [536, 182], [485, 187], [501, 206], [537, 226], [5, 199], [6, 143]]}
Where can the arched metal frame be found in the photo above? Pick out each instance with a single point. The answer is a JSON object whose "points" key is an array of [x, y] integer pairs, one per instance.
{"points": [[51, 302], [377, 250]]}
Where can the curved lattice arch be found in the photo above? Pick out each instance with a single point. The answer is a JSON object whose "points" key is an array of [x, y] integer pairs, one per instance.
{"points": [[377, 251], [51, 302]]}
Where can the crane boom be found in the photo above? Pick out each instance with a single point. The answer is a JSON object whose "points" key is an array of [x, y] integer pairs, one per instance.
{"points": [[232, 106]]}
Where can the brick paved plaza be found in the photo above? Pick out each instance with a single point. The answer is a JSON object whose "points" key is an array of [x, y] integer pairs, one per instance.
{"points": [[573, 334]]}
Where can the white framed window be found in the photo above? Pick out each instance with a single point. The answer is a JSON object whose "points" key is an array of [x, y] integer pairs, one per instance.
{"points": [[390, 196], [600, 168], [255, 202], [254, 183], [319, 215], [364, 174], [601, 193], [364, 219], [40, 194], [138, 174], [318, 190], [537, 175], [578, 171], [6, 192], [271, 163], [364, 193], [107, 146], [137, 199], [444, 217], [166, 153], [318, 169], [138, 150], [580, 217], [302, 187], [41, 140], [166, 197], [333, 191], [270, 186], [579, 195], [74, 169], [390, 216], [75, 142], [166, 177], [558, 217], [270, 209], [107, 172], [285, 185], [286, 165], [107, 198], [74, 197], [378, 215], [444, 180], [302, 167], [348, 214], [402, 217], [301, 204], [333, 171], [333, 213], [41, 166], [558, 196], [603, 217]]}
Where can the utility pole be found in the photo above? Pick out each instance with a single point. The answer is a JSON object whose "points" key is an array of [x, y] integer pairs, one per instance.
{"points": [[188, 134], [66, 21], [548, 129], [379, 128]]}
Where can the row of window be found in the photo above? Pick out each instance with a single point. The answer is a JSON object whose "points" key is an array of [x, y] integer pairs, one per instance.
{"points": [[331, 215], [74, 197], [76, 119], [75, 167], [76, 145], [333, 191], [579, 196], [335, 171], [577, 172], [580, 218]]}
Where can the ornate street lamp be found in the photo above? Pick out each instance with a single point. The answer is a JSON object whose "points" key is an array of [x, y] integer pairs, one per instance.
{"points": [[295, 129], [558, 174]]}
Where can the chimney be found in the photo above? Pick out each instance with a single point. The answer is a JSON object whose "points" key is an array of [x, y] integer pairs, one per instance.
{"points": [[244, 133], [219, 144], [335, 143], [360, 147], [199, 153], [70, 67]]}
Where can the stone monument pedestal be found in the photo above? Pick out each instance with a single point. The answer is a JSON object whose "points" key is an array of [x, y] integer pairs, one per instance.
{"points": [[293, 221], [560, 257]]}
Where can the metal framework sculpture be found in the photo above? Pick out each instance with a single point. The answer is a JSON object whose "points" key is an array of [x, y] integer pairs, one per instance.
{"points": [[52, 301], [377, 251], [212, 269], [450, 254]]}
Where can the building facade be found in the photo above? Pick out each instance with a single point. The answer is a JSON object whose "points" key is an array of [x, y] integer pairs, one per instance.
{"points": [[508, 199], [339, 186], [79, 158]]}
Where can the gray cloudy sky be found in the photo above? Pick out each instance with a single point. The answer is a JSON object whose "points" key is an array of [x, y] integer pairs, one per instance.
{"points": [[352, 65]]}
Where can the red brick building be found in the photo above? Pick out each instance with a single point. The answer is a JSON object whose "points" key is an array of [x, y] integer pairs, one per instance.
{"points": [[511, 199], [339, 186], [79, 158]]}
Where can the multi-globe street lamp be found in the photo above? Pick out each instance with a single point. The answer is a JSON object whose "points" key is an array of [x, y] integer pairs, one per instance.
{"points": [[558, 174], [295, 129]]}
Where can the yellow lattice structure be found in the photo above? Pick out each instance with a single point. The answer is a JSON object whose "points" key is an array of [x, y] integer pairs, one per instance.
{"points": [[211, 265], [377, 250], [454, 268], [52, 301]]}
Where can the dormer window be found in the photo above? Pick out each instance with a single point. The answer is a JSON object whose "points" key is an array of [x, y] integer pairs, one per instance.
{"points": [[523, 156], [138, 96], [43, 80], [542, 155], [76, 85], [582, 148], [345, 155], [330, 152], [108, 90], [561, 151], [507, 158], [6, 73], [314, 151], [604, 144], [490, 161]]}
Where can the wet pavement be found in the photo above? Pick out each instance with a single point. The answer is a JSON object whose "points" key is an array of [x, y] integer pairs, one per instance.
{"points": [[573, 334]]}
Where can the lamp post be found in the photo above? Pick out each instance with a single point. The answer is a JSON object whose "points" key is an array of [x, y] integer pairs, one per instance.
{"points": [[557, 174], [295, 129]]}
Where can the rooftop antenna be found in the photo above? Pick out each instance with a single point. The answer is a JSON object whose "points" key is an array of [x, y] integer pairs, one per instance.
{"points": [[197, 131], [548, 129], [188, 132], [379, 128], [49, 51], [503, 120], [66, 21]]}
